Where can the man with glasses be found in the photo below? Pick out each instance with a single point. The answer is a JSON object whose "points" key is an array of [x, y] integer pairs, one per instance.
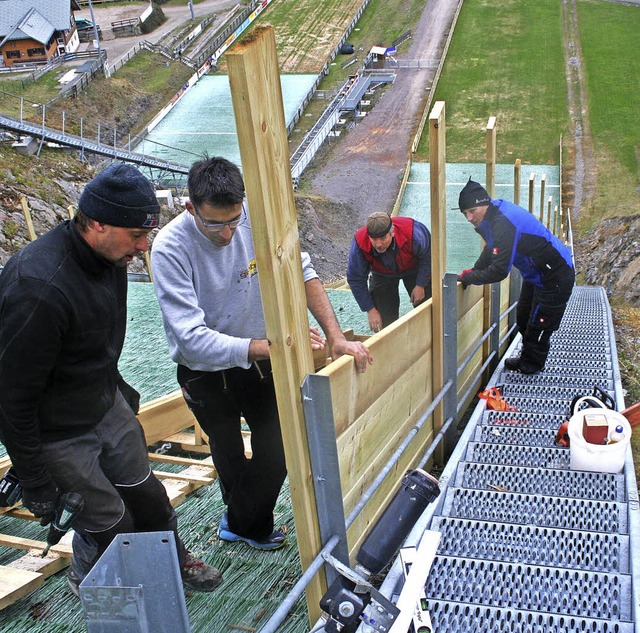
{"points": [[206, 281]]}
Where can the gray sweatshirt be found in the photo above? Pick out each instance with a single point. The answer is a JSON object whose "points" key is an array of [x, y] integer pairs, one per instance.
{"points": [[209, 295]]}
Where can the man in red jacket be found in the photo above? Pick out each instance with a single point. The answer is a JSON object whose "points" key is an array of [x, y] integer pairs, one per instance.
{"points": [[383, 252]]}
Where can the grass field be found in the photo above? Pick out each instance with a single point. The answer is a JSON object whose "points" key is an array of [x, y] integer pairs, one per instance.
{"points": [[505, 60], [611, 52]]}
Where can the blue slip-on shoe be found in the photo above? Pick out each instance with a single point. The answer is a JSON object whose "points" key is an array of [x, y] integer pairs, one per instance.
{"points": [[275, 540]]}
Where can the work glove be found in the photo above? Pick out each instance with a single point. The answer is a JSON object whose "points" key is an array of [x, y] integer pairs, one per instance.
{"points": [[41, 501], [130, 395], [462, 275]]}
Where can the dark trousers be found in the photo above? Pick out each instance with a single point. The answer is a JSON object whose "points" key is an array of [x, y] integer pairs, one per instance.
{"points": [[109, 467], [539, 314], [250, 487], [384, 290]]}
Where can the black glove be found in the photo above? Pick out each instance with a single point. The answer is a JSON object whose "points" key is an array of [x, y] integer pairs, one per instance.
{"points": [[130, 395], [41, 501]]}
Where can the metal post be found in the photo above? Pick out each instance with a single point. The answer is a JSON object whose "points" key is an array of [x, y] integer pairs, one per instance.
{"points": [[450, 359], [193, 15], [515, 283], [494, 339], [325, 469]]}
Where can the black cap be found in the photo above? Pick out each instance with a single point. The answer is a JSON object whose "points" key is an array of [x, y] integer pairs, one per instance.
{"points": [[121, 196], [473, 195]]}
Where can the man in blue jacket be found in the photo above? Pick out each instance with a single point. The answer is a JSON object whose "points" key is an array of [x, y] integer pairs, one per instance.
{"points": [[383, 252], [515, 238]]}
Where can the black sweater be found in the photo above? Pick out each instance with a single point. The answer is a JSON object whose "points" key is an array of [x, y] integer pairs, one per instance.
{"points": [[62, 328]]}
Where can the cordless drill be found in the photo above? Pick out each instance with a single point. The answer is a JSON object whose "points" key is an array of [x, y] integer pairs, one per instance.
{"points": [[69, 507]]}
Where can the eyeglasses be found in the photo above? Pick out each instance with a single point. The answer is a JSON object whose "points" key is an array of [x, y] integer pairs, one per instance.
{"points": [[216, 227]]}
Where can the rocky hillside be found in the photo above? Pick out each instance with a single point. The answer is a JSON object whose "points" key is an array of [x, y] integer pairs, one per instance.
{"points": [[609, 256]]}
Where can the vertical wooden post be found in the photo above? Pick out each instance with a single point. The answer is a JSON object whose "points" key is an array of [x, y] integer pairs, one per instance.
{"points": [[491, 157], [543, 184], [27, 218], [516, 181], [532, 180], [259, 113], [491, 186], [147, 261], [438, 185], [555, 219], [71, 210], [549, 205]]}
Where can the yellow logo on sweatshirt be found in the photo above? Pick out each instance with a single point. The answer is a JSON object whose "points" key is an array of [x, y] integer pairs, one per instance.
{"points": [[252, 269]]}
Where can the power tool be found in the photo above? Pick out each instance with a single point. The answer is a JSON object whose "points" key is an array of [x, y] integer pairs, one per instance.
{"points": [[69, 507], [10, 489]]}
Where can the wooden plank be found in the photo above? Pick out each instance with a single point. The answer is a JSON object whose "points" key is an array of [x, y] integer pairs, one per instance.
{"points": [[27, 218], [352, 394], [51, 564], [517, 167], [264, 149], [164, 417], [532, 182], [543, 184], [17, 583], [17, 542], [437, 168], [183, 461], [370, 442], [491, 156], [189, 478]]}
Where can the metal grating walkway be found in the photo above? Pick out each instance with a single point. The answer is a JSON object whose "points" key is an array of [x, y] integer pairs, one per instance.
{"points": [[527, 545]]}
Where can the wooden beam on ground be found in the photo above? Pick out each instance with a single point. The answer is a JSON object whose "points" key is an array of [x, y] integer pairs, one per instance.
{"points": [[17, 583], [491, 156], [17, 542], [438, 180], [517, 167], [164, 417], [259, 113]]}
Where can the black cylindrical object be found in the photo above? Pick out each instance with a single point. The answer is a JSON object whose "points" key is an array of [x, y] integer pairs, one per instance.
{"points": [[347, 49], [417, 491]]}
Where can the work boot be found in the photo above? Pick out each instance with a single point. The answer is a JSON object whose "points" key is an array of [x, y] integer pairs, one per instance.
{"points": [[528, 369], [513, 363], [198, 576], [73, 583]]}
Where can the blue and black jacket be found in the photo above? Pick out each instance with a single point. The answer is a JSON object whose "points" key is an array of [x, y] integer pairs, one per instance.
{"points": [[514, 237]]}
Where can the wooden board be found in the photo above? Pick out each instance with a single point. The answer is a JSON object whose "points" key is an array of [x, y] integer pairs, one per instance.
{"points": [[16, 583]]}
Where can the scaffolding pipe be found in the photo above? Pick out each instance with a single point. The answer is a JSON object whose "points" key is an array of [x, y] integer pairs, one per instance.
{"points": [[375, 484]]}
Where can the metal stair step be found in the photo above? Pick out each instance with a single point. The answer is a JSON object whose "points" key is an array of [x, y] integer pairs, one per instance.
{"points": [[531, 587], [457, 617], [512, 455], [533, 545], [560, 483], [524, 419], [515, 436], [537, 510]]}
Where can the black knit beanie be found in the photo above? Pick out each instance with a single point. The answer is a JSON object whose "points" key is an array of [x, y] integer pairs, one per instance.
{"points": [[473, 195], [121, 196]]}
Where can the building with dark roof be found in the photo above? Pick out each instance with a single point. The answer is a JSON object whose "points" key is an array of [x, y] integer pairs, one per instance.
{"points": [[35, 31]]}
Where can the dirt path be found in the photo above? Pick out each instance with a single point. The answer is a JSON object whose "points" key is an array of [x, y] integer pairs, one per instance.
{"points": [[583, 174], [365, 170]]}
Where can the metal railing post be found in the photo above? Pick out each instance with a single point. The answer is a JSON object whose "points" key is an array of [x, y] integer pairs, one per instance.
{"points": [[515, 283], [494, 338], [450, 360], [325, 468]]}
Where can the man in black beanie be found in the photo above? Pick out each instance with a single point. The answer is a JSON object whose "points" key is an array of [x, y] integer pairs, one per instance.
{"points": [[513, 237], [67, 417]]}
